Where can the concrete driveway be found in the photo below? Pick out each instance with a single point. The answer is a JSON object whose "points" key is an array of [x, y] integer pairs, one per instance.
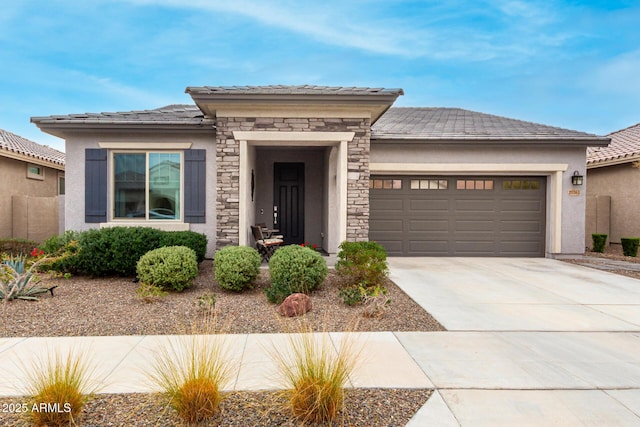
{"points": [[529, 342]]}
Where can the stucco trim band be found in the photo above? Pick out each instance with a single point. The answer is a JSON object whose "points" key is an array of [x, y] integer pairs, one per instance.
{"points": [[146, 145]]}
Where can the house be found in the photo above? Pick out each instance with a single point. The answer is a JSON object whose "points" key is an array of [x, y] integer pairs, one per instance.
{"points": [[328, 164], [32, 178], [612, 193]]}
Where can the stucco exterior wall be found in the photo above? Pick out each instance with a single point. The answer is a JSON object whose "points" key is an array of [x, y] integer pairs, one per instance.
{"points": [[75, 181], [621, 183], [13, 176], [573, 198]]}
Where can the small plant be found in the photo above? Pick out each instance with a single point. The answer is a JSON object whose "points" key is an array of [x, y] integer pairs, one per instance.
{"points": [[236, 267], [376, 301], [373, 298], [150, 293], [17, 282], [630, 246], [599, 241], [294, 269], [310, 246], [192, 375], [171, 267], [206, 302], [362, 263], [315, 375], [58, 388]]}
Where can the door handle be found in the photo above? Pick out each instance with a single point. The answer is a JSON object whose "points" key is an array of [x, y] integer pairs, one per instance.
{"points": [[275, 215]]}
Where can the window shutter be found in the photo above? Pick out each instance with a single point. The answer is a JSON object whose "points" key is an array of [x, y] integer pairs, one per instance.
{"points": [[194, 186], [95, 185]]}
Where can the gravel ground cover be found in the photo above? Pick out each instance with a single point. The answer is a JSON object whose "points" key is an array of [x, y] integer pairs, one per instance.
{"points": [[363, 407], [83, 306], [624, 265]]}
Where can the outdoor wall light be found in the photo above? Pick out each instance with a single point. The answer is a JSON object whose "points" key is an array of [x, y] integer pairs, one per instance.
{"points": [[577, 179]]}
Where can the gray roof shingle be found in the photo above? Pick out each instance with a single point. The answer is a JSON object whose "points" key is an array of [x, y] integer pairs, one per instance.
{"points": [[293, 90], [625, 144], [17, 144], [459, 124], [179, 114]]}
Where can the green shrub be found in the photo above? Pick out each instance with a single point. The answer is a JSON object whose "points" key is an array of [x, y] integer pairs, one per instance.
{"points": [[17, 247], [599, 241], [294, 269], [171, 267], [115, 250], [190, 239], [56, 244], [362, 263], [630, 246], [236, 267]]}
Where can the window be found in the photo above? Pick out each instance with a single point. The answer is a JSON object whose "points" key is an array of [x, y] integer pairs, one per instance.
{"points": [[147, 185], [521, 185], [385, 184], [474, 184], [35, 172], [61, 189], [429, 184]]}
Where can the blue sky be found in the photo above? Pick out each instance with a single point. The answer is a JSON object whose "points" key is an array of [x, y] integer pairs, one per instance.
{"points": [[573, 64]]}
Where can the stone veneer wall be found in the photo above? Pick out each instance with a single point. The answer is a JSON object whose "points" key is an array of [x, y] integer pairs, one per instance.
{"points": [[228, 175]]}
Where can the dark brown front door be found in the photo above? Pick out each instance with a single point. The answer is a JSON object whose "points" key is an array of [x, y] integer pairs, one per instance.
{"points": [[288, 199]]}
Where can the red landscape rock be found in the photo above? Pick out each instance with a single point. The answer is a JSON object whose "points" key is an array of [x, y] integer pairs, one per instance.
{"points": [[295, 305]]}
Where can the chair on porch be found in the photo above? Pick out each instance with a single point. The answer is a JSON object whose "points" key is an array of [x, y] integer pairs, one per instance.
{"points": [[270, 231], [266, 247]]}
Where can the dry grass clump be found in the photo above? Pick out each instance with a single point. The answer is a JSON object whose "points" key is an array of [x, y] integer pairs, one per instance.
{"points": [[192, 374], [58, 388], [315, 375]]}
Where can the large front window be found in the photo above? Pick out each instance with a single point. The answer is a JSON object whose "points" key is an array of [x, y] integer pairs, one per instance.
{"points": [[147, 186]]}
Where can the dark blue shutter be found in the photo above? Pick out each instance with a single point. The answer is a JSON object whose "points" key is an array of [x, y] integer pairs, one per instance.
{"points": [[194, 186], [95, 185]]}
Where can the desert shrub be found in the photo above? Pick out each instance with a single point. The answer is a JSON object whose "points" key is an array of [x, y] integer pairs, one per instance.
{"points": [[17, 281], [630, 246], [294, 269], [190, 239], [206, 302], [192, 375], [362, 263], [171, 267], [236, 267], [62, 385], [599, 241], [17, 247], [315, 375], [56, 243]]}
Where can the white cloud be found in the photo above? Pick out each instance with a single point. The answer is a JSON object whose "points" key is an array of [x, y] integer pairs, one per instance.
{"points": [[618, 76]]}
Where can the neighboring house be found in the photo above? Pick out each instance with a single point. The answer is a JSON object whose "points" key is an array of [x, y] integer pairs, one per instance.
{"points": [[612, 193], [328, 164], [31, 178]]}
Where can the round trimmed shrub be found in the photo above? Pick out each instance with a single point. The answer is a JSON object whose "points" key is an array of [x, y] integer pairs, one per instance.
{"points": [[294, 269], [171, 267], [236, 267]]}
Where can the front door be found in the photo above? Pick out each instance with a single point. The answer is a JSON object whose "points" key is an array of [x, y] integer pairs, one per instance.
{"points": [[288, 200]]}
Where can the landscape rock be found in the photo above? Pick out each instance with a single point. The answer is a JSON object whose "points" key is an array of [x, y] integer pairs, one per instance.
{"points": [[295, 305]]}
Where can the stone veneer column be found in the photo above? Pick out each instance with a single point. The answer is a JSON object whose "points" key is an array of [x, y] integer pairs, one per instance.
{"points": [[228, 164]]}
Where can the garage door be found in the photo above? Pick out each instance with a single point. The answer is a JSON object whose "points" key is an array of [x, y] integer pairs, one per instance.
{"points": [[458, 216]]}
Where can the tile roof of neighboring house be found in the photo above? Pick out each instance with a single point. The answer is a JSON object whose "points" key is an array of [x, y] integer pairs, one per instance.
{"points": [[17, 144], [459, 124], [177, 114], [293, 90], [624, 147]]}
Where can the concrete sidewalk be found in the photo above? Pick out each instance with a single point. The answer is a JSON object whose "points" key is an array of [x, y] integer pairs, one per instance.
{"points": [[122, 362]]}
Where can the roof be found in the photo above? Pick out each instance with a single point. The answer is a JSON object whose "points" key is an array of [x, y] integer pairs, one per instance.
{"points": [[176, 114], [12, 143], [458, 124], [624, 147], [292, 90]]}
